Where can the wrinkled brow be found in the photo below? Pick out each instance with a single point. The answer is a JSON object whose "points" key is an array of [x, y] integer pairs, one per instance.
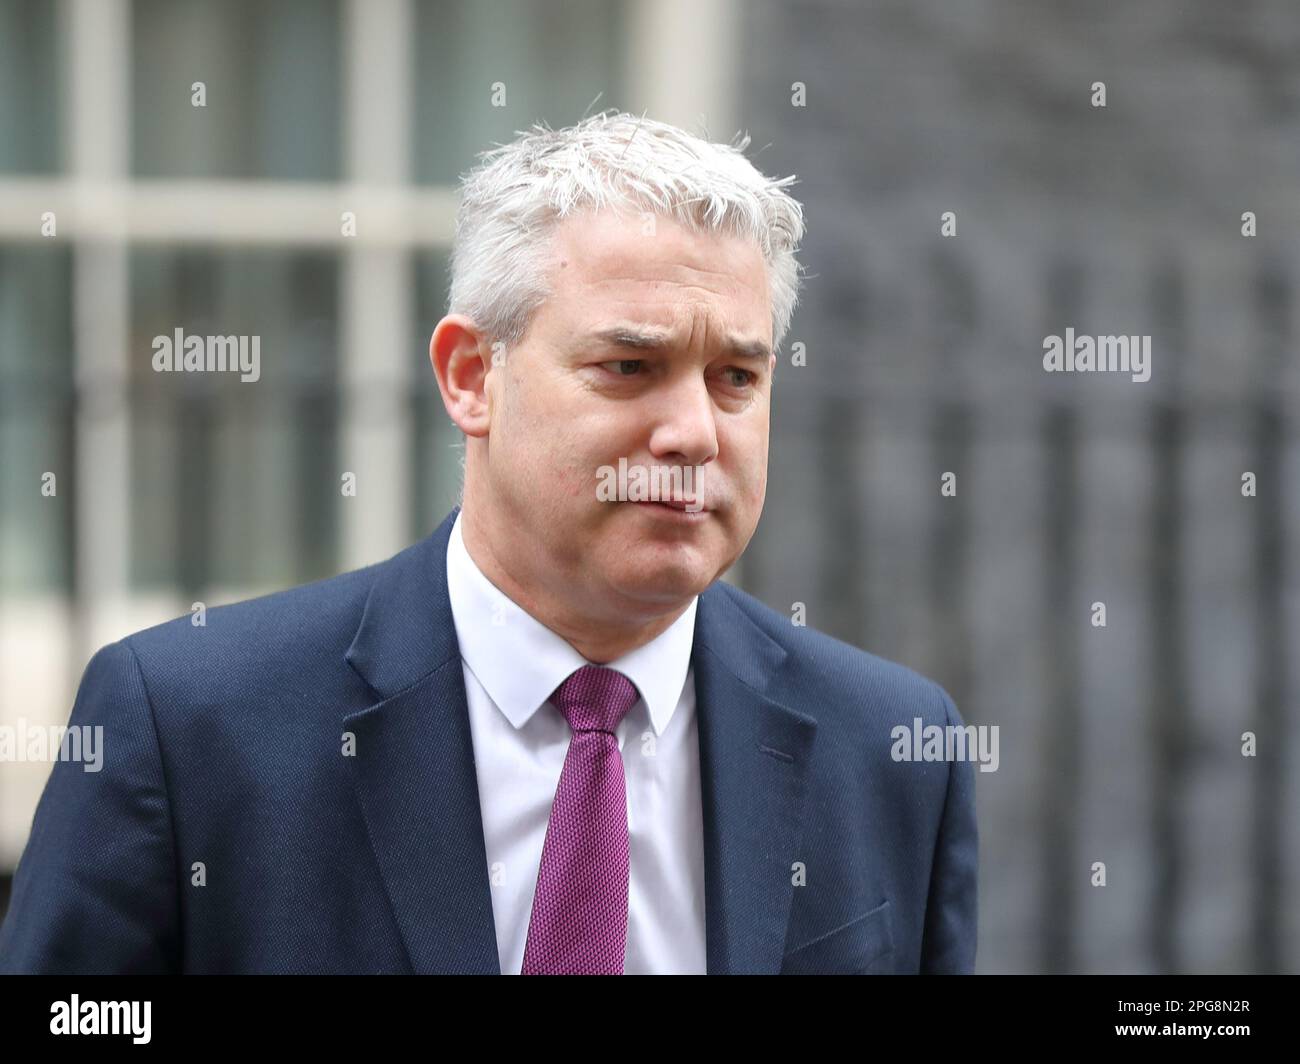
{"points": [[636, 339]]}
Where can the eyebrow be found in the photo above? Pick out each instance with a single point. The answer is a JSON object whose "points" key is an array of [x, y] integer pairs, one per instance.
{"points": [[634, 339]]}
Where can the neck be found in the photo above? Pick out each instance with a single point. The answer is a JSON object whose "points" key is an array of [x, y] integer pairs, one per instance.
{"points": [[598, 640]]}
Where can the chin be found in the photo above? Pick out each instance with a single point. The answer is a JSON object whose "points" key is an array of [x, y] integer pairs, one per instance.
{"points": [[667, 585]]}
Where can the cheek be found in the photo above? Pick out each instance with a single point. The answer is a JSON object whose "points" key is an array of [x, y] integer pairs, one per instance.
{"points": [[571, 481], [749, 450], [566, 459]]}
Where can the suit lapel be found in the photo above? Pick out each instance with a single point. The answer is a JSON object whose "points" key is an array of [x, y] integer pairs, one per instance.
{"points": [[754, 755], [416, 782], [414, 765]]}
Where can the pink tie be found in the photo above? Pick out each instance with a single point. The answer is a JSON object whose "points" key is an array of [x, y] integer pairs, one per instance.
{"points": [[579, 919]]}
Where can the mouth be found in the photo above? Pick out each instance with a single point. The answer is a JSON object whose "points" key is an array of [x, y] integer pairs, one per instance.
{"points": [[676, 509]]}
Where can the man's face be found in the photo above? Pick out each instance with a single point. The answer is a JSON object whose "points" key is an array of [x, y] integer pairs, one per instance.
{"points": [[580, 392]]}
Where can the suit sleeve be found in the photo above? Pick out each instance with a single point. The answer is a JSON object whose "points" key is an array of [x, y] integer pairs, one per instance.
{"points": [[95, 891], [951, 915]]}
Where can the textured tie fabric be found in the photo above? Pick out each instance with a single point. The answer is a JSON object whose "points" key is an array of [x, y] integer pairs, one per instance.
{"points": [[579, 918]]}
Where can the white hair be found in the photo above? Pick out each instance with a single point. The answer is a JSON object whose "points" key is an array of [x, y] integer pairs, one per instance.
{"points": [[511, 201]]}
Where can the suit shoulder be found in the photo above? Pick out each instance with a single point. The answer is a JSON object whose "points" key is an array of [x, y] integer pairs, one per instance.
{"points": [[837, 670], [278, 627]]}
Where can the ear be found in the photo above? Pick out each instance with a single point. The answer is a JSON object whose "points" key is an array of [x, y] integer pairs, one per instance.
{"points": [[461, 358]]}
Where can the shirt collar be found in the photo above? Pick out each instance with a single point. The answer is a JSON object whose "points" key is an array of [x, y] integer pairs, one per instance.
{"points": [[520, 662]]}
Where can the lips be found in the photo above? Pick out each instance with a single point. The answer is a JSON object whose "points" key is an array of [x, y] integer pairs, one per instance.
{"points": [[680, 504]]}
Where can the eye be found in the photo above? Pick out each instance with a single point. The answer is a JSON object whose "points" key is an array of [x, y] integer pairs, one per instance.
{"points": [[746, 377], [624, 364]]}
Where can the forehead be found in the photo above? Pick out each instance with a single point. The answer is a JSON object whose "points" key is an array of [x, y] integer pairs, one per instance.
{"points": [[620, 262]]}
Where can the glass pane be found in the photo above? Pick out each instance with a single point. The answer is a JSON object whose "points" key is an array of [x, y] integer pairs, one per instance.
{"points": [[271, 73], [29, 87], [36, 419], [553, 59], [235, 481]]}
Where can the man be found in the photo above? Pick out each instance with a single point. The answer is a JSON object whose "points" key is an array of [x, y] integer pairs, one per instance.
{"points": [[546, 739]]}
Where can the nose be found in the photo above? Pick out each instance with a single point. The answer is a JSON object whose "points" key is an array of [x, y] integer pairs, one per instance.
{"points": [[685, 432]]}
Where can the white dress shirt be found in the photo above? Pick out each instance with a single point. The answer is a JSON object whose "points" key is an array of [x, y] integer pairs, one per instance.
{"points": [[512, 665]]}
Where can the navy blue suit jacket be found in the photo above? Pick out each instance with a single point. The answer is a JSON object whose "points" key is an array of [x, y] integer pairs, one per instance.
{"points": [[227, 831]]}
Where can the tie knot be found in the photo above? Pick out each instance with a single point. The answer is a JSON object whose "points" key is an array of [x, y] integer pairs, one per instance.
{"points": [[595, 698]]}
